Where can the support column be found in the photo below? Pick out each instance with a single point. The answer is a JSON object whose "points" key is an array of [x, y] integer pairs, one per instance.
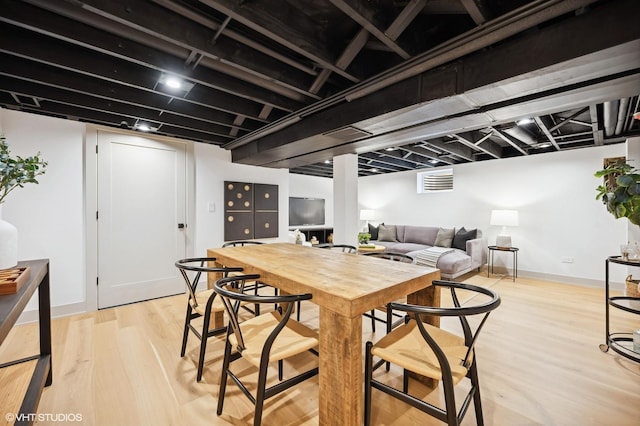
{"points": [[345, 199]]}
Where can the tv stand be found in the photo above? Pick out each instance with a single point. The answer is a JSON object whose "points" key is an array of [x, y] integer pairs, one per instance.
{"points": [[320, 232]]}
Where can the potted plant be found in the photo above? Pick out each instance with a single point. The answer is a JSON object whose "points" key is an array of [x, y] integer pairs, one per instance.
{"points": [[15, 172], [364, 237], [620, 191]]}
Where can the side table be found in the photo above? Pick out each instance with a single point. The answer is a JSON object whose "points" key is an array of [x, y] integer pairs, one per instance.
{"points": [[513, 250], [376, 248], [620, 341], [11, 306]]}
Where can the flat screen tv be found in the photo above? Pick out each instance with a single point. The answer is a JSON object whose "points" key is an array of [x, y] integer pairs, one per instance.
{"points": [[306, 211]]}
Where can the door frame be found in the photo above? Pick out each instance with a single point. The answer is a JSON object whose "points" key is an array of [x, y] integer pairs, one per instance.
{"points": [[90, 138]]}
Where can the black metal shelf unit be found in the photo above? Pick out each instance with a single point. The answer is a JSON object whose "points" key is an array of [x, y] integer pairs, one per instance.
{"points": [[320, 232], [620, 342], [11, 306]]}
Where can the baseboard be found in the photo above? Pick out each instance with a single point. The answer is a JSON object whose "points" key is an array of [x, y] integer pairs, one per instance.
{"points": [[585, 282], [564, 279], [56, 312]]}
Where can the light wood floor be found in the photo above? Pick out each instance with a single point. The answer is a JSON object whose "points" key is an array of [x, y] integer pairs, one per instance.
{"points": [[538, 355]]}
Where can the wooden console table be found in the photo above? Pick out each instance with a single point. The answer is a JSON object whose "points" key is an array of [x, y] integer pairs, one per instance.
{"points": [[11, 306]]}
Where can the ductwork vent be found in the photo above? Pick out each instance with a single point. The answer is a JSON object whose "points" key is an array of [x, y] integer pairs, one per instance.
{"points": [[521, 134], [28, 101], [435, 181], [347, 134]]}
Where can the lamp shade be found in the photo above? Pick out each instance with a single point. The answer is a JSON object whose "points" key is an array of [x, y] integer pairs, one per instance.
{"points": [[367, 214], [504, 217]]}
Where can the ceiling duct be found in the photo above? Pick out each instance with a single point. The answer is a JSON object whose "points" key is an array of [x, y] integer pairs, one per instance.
{"points": [[28, 101], [521, 134], [622, 115], [610, 111], [347, 134]]}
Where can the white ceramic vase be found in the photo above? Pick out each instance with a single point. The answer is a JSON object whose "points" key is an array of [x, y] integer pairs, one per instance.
{"points": [[8, 244]]}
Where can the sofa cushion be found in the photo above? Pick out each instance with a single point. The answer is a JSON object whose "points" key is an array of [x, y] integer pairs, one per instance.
{"points": [[373, 230], [404, 247], [444, 238], [453, 262], [450, 263], [420, 234], [387, 233], [388, 244], [461, 238]]}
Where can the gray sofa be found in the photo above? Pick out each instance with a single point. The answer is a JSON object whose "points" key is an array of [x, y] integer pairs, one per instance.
{"points": [[411, 240]]}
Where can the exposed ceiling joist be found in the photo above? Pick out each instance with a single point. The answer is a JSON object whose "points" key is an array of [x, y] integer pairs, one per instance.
{"points": [[547, 132], [293, 83], [366, 17], [275, 26], [510, 140]]}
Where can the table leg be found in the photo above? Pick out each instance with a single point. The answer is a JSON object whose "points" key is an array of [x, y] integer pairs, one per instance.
{"points": [[428, 296], [341, 378], [44, 307]]}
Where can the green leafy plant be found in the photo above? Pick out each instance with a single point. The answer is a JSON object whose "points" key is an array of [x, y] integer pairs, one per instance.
{"points": [[15, 172], [363, 237], [620, 191]]}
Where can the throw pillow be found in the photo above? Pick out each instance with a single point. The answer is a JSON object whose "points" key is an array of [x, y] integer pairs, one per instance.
{"points": [[387, 233], [373, 230], [444, 237], [461, 238]]}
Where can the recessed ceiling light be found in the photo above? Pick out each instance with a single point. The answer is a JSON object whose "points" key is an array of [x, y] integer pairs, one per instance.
{"points": [[327, 161], [144, 127], [391, 148], [524, 121], [434, 161], [173, 82], [373, 170], [544, 145]]}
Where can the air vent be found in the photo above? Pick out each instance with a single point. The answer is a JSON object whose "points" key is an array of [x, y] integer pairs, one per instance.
{"points": [[347, 134], [435, 181], [29, 101]]}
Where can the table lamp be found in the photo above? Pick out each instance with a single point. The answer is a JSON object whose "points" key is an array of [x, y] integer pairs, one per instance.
{"points": [[504, 218], [367, 215]]}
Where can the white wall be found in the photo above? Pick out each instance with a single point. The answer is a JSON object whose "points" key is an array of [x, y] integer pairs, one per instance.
{"points": [[213, 167], [554, 194], [50, 216]]}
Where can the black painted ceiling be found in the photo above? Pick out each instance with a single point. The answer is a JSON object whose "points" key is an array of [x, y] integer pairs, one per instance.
{"points": [[293, 83]]}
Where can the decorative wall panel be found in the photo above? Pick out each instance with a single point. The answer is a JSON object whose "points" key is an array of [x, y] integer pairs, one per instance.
{"points": [[266, 210], [251, 211]]}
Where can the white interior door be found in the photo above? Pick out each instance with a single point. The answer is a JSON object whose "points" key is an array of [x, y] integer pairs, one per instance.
{"points": [[141, 202]]}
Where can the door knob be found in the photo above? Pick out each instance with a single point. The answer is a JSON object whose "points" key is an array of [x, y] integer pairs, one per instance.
{"points": [[181, 226]]}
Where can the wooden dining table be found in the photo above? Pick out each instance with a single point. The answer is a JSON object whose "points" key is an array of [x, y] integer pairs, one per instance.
{"points": [[344, 286]]}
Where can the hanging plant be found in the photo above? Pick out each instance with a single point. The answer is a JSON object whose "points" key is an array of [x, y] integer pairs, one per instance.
{"points": [[620, 191], [15, 172]]}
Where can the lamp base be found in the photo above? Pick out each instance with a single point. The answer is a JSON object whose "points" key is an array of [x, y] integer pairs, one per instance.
{"points": [[503, 241]]}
